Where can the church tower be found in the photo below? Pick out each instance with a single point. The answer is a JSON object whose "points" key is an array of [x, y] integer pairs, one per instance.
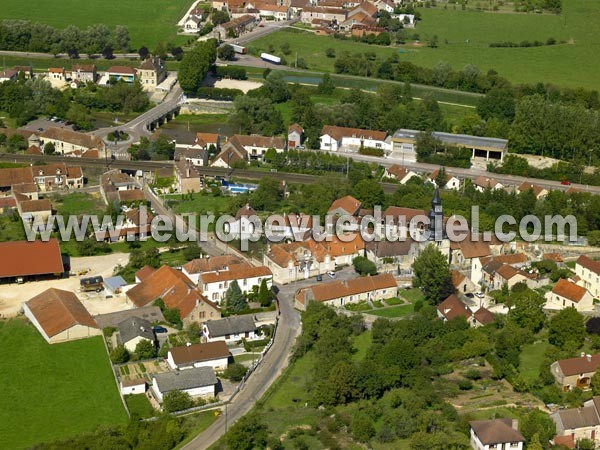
{"points": [[436, 218]]}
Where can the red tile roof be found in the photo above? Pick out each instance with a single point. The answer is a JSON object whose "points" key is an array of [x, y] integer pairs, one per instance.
{"points": [[57, 310], [483, 316], [589, 263], [337, 289], [568, 290], [339, 132], [211, 264], [236, 272], [453, 307], [582, 364], [23, 258], [189, 354], [348, 203]]}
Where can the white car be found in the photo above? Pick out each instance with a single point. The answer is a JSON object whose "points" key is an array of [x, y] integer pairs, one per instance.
{"points": [[479, 294], [331, 274]]}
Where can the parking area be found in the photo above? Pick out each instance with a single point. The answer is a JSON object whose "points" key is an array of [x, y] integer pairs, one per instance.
{"points": [[13, 295]]}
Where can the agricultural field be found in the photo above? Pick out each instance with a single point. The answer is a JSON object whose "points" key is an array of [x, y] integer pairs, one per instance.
{"points": [[149, 22], [464, 38], [58, 390]]}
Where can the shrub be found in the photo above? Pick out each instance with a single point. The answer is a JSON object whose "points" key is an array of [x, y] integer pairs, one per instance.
{"points": [[465, 385], [177, 401], [119, 354], [473, 374], [235, 372]]}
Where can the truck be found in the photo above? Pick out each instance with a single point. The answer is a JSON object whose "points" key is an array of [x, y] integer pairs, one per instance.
{"points": [[239, 49], [270, 58], [92, 284]]}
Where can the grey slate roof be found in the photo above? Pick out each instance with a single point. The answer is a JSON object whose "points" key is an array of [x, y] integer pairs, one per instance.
{"points": [[230, 325], [578, 417], [151, 313], [114, 283], [133, 327], [464, 140], [186, 379]]}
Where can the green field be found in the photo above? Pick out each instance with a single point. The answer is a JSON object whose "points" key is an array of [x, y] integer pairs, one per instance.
{"points": [[532, 356], [53, 391], [78, 203], [149, 22], [464, 38], [393, 311], [199, 203]]}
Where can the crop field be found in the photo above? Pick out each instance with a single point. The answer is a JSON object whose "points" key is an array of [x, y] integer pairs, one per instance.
{"points": [[149, 22], [464, 38], [53, 391]]}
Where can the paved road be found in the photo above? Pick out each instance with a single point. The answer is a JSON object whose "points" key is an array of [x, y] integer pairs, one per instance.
{"points": [[271, 367], [260, 31]]}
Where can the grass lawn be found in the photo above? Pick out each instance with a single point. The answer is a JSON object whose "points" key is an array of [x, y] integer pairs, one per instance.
{"points": [[246, 357], [149, 22], [78, 203], [139, 405], [53, 391], [393, 311], [199, 203], [531, 360], [464, 38], [412, 295], [196, 424], [362, 342], [11, 230]]}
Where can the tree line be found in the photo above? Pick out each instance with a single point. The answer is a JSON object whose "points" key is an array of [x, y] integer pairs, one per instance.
{"points": [[23, 35]]}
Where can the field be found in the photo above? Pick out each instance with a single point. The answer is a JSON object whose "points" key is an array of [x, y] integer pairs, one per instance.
{"points": [[148, 22], [58, 390], [78, 203], [531, 360], [464, 38]]}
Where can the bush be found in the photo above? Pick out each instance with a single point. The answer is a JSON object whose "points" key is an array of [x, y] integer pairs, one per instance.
{"points": [[363, 266], [218, 93], [119, 354], [108, 331], [237, 73], [465, 385], [473, 374], [177, 401], [371, 151], [235, 372]]}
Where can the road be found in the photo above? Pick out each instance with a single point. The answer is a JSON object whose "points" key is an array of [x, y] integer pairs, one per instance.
{"points": [[506, 180], [260, 31]]}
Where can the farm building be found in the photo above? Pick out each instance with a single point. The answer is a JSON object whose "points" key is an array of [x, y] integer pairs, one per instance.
{"points": [[30, 260]]}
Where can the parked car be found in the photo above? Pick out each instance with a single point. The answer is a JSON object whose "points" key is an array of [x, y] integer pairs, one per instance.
{"points": [[159, 329], [469, 295], [565, 182], [331, 274], [319, 277], [479, 294]]}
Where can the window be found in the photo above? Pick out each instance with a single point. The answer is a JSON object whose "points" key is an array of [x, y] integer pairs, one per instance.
{"points": [[202, 315], [245, 282]]}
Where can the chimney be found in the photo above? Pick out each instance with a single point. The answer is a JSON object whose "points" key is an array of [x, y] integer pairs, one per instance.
{"points": [[515, 424], [188, 344], [582, 354], [588, 357]]}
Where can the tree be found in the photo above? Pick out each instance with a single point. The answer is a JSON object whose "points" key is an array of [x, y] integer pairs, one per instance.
{"points": [[119, 354], [527, 312], [143, 52], [537, 422], [49, 148], [276, 87], [160, 50], [195, 65], [80, 116], [107, 52], [234, 298], [566, 326], [177, 401], [265, 296], [145, 349], [122, 38], [364, 266], [192, 251], [595, 382], [218, 17], [330, 52], [431, 273], [226, 52], [247, 433], [235, 372], [326, 86], [594, 238], [369, 192]]}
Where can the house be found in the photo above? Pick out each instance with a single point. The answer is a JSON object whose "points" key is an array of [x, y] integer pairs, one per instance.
{"points": [[8, 75], [450, 181], [187, 177], [119, 73], [390, 256], [229, 156], [588, 271], [30, 260], [116, 186], [399, 173], [340, 293], [575, 424], [215, 284], [230, 329], [35, 212], [57, 77], [347, 205], [210, 354], [195, 267], [462, 283], [244, 226], [482, 183], [193, 155], [27, 71], [453, 307], [235, 27], [496, 434], [334, 138], [67, 141], [28, 180], [310, 13], [575, 372], [270, 10], [463, 254], [59, 316], [567, 294], [132, 387], [192, 24], [288, 226], [295, 136], [495, 272], [84, 73], [151, 73], [176, 291], [298, 260], [207, 140], [538, 191], [197, 382], [254, 146], [153, 314], [385, 5], [134, 330]]}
